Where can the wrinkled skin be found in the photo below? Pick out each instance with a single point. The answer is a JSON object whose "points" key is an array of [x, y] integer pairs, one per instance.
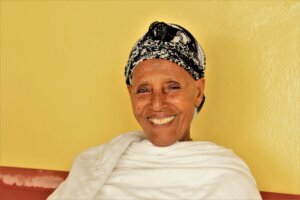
{"points": [[164, 97]]}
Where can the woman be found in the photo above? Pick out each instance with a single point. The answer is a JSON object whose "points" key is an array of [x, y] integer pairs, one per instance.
{"points": [[165, 80]]}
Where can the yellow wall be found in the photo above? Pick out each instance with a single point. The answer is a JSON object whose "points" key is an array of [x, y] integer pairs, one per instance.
{"points": [[63, 90]]}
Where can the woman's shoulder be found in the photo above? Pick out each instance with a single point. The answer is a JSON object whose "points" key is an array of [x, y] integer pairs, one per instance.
{"points": [[213, 156], [206, 148], [93, 154]]}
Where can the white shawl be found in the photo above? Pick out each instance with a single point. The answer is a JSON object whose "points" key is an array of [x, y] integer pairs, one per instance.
{"points": [[130, 167]]}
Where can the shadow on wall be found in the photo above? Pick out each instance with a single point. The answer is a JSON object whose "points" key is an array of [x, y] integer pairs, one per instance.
{"points": [[234, 110]]}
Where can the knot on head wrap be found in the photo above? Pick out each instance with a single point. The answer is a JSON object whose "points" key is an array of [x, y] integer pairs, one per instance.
{"points": [[171, 42]]}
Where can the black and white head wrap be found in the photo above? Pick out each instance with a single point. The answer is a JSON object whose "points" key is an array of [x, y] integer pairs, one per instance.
{"points": [[171, 42]]}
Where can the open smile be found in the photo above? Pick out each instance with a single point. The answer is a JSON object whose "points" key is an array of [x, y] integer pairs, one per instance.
{"points": [[161, 121]]}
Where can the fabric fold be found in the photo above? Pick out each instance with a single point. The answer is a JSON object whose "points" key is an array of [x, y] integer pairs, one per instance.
{"points": [[92, 167], [132, 168], [185, 170]]}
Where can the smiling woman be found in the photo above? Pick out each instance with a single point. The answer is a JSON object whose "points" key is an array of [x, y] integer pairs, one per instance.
{"points": [[164, 98], [165, 80]]}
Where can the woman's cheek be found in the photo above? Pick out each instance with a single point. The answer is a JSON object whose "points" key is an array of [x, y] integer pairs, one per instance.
{"points": [[138, 108]]}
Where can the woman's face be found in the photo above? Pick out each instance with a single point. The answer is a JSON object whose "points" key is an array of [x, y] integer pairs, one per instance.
{"points": [[164, 97]]}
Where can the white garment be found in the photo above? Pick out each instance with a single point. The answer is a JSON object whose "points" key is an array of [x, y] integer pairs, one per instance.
{"points": [[130, 167]]}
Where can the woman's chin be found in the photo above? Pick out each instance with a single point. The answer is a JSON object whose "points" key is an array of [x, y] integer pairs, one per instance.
{"points": [[162, 142]]}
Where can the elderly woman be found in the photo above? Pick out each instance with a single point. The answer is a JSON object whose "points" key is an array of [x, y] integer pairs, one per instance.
{"points": [[165, 80]]}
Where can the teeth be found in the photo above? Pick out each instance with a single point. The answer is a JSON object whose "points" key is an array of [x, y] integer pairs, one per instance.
{"points": [[161, 121]]}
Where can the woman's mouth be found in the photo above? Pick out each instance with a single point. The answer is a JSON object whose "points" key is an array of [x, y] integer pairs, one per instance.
{"points": [[161, 121]]}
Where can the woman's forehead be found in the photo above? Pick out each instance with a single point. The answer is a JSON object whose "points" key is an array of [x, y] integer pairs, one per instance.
{"points": [[159, 70]]}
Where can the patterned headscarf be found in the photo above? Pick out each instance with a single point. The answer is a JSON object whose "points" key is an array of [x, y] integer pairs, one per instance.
{"points": [[171, 42]]}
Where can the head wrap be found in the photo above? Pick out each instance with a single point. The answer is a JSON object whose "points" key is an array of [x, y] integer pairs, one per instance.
{"points": [[170, 42]]}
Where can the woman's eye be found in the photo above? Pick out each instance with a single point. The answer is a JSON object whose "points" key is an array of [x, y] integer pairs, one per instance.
{"points": [[174, 87], [142, 90]]}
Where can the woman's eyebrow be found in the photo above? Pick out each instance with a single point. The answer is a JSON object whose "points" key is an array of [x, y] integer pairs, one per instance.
{"points": [[144, 83], [181, 83], [174, 82]]}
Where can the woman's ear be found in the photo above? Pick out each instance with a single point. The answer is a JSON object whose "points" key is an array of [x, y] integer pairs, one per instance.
{"points": [[200, 84], [129, 88]]}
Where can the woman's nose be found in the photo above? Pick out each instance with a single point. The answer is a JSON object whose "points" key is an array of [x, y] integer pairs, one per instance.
{"points": [[158, 101]]}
